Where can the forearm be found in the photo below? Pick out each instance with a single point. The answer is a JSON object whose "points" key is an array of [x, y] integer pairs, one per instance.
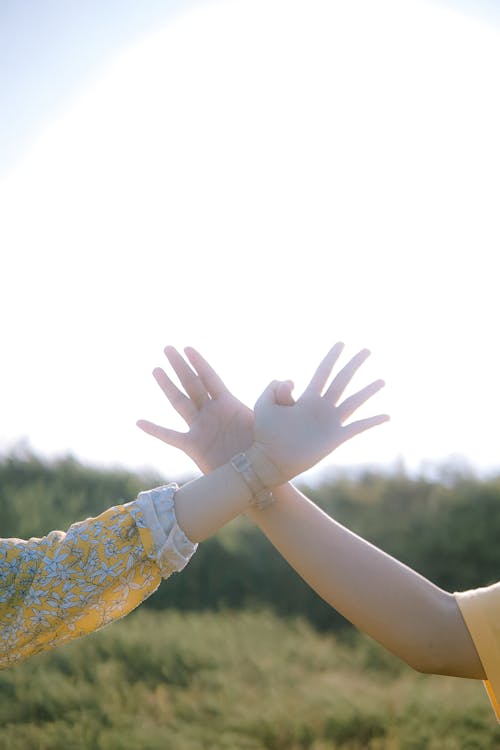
{"points": [[393, 604], [68, 584], [206, 504]]}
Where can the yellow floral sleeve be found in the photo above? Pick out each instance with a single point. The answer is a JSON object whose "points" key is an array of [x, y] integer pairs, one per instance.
{"points": [[69, 584]]}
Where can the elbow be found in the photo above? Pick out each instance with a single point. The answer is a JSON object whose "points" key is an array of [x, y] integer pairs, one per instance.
{"points": [[427, 663], [421, 639], [425, 658], [443, 645]]}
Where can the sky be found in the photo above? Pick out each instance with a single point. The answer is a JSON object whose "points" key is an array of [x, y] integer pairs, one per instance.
{"points": [[259, 180]]}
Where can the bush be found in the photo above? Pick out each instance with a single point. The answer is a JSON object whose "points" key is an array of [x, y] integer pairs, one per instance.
{"points": [[233, 681]]}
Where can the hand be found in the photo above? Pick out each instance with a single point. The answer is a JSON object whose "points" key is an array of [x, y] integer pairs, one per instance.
{"points": [[295, 436], [219, 424]]}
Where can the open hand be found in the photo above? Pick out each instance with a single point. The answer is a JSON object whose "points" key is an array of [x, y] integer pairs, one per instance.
{"points": [[294, 436], [219, 424]]}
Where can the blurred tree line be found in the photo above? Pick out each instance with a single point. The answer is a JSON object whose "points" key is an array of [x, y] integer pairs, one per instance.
{"points": [[447, 528]]}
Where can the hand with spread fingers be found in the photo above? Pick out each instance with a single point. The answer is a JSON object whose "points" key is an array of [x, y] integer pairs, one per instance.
{"points": [[294, 435], [219, 424]]}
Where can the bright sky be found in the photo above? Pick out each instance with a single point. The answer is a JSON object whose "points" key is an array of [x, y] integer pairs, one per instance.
{"points": [[256, 178]]}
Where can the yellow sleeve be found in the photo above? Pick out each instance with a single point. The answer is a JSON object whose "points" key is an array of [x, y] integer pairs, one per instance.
{"points": [[480, 609], [69, 584]]}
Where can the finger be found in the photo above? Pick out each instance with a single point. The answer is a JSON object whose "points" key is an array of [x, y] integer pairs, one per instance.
{"points": [[284, 393], [351, 404], [324, 369], [342, 380], [355, 428], [171, 437], [212, 382], [190, 381], [268, 396], [181, 403]]}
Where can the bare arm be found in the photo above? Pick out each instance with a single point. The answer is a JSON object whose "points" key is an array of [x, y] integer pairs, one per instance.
{"points": [[403, 611]]}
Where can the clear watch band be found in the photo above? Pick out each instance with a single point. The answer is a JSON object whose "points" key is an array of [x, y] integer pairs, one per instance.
{"points": [[262, 497]]}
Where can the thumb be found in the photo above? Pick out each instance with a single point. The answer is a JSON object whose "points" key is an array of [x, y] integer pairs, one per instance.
{"points": [[171, 437], [283, 393], [268, 396]]}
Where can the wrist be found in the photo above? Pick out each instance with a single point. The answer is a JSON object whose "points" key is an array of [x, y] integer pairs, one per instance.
{"points": [[269, 474], [259, 474]]}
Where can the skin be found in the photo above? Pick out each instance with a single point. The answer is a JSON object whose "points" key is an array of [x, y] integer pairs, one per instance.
{"points": [[284, 440], [404, 612]]}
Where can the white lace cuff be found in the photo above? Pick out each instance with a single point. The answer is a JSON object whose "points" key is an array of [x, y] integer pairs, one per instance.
{"points": [[172, 548]]}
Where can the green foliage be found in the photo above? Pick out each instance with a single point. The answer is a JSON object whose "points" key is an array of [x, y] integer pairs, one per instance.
{"points": [[244, 678], [447, 528], [233, 681], [37, 496]]}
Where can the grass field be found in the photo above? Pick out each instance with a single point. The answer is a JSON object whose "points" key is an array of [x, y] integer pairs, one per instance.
{"points": [[240, 681]]}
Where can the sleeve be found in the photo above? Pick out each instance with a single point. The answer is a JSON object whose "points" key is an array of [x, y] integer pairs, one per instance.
{"points": [[480, 609], [69, 584]]}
